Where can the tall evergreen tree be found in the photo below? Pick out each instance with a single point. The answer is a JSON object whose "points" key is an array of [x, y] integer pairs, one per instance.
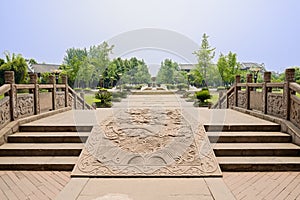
{"points": [[204, 56]]}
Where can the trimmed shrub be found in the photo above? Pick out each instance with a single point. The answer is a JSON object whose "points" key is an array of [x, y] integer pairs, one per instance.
{"points": [[202, 95], [138, 87], [104, 97]]}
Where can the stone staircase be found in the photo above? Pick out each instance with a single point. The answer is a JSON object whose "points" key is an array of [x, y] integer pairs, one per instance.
{"points": [[43, 147], [253, 148]]}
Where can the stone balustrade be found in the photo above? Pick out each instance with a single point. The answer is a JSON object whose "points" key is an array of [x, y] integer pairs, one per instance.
{"points": [[22, 100], [275, 99]]}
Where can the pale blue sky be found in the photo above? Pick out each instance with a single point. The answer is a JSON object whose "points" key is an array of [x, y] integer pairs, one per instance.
{"points": [[263, 31]]}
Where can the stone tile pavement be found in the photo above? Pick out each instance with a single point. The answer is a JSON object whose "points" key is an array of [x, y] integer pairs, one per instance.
{"points": [[243, 185]]}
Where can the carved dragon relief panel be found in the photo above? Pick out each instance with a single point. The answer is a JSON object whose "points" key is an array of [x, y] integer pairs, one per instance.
{"points": [[147, 142], [25, 105], [295, 113], [4, 111], [275, 105]]}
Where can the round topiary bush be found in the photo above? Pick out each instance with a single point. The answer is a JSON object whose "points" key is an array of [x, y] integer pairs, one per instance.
{"points": [[202, 95]]}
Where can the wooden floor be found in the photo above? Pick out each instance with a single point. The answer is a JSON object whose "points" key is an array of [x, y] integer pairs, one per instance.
{"points": [[246, 185], [32, 184], [264, 185]]}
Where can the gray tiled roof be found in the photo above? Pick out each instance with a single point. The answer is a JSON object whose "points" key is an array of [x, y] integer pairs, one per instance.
{"points": [[244, 66], [42, 68]]}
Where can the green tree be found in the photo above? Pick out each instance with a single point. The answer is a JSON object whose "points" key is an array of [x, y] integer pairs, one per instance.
{"points": [[228, 68], [14, 63], [127, 71], [297, 74], [196, 77], [1, 62], [32, 61], [84, 67], [213, 76], [72, 62], [204, 56], [98, 56], [167, 72]]}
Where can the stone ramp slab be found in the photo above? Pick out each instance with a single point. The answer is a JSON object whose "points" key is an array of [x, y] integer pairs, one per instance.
{"points": [[146, 189], [147, 142]]}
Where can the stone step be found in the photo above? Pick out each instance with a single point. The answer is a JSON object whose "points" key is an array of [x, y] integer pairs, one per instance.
{"points": [[248, 137], [57, 128], [243, 127], [60, 163], [259, 163], [48, 137], [256, 149], [41, 149]]}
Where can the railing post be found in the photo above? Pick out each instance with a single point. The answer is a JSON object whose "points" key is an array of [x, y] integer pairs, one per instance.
{"points": [[249, 80], [64, 79], [36, 98], [75, 100], [289, 77], [220, 97], [265, 90], [53, 82], [83, 103], [236, 89], [9, 78]]}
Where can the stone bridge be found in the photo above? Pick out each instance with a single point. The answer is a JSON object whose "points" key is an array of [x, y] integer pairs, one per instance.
{"points": [[149, 146]]}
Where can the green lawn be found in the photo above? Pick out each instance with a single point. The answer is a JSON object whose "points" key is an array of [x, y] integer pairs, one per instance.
{"points": [[89, 98], [214, 98], [2, 96]]}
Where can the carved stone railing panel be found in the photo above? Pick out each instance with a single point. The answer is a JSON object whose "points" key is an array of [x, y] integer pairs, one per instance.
{"points": [[71, 101], [242, 99], [79, 105], [295, 111], [25, 105], [60, 100], [276, 105], [4, 111], [256, 99], [224, 104], [231, 100]]}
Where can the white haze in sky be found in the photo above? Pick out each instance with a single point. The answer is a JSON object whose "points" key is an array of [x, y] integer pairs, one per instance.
{"points": [[262, 31]]}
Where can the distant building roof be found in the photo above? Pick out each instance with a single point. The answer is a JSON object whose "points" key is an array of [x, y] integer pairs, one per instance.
{"points": [[42, 68], [249, 65], [187, 67], [244, 66]]}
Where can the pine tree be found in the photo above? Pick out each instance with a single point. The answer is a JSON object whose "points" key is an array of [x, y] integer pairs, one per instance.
{"points": [[204, 56]]}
